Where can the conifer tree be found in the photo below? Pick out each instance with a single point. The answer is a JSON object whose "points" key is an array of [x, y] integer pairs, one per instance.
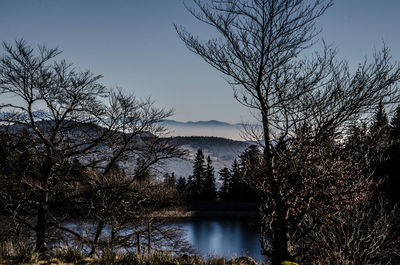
{"points": [[379, 144], [395, 126], [195, 183], [226, 178], [235, 187], [250, 167], [209, 192], [181, 184], [169, 179], [393, 165], [356, 146], [380, 125]]}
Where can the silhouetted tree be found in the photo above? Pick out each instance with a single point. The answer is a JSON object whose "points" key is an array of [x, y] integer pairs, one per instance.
{"points": [[170, 179], [378, 146], [235, 189], [209, 192], [195, 182], [226, 177], [69, 118], [395, 127], [388, 138], [260, 53], [251, 162], [181, 184], [367, 233]]}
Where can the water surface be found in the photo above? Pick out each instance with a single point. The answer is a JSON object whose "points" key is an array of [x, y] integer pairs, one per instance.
{"points": [[224, 237]]}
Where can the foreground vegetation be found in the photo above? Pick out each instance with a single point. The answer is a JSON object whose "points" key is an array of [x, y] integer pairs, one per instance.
{"points": [[22, 254]]}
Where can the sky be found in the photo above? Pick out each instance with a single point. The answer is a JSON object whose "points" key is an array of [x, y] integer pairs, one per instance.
{"points": [[133, 44]]}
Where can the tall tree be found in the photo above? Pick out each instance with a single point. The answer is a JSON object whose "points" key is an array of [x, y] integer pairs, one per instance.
{"points": [[379, 143], [259, 50], [251, 162], [235, 191], [391, 168], [209, 192], [181, 184], [70, 118], [195, 182], [395, 126], [226, 177], [380, 127], [170, 179]]}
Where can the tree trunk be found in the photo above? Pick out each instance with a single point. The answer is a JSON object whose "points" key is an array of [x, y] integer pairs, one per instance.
{"points": [[138, 245], [42, 212], [149, 237], [99, 229], [279, 242], [40, 230]]}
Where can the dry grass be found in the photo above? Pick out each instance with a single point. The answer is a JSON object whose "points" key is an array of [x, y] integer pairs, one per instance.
{"points": [[16, 254]]}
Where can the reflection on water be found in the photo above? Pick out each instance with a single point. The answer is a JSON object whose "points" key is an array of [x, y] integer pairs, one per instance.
{"points": [[224, 237]]}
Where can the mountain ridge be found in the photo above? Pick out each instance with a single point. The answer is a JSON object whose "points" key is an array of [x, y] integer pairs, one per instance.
{"points": [[204, 128], [201, 122]]}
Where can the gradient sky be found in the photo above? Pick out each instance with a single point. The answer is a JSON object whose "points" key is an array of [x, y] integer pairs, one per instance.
{"points": [[134, 45]]}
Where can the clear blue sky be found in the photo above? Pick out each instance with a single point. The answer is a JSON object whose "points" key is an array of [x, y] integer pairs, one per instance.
{"points": [[134, 45]]}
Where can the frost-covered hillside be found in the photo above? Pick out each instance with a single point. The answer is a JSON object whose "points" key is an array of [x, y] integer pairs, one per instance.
{"points": [[204, 128], [222, 152]]}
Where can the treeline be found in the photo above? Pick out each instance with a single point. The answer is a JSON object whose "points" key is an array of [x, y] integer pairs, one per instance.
{"points": [[234, 182]]}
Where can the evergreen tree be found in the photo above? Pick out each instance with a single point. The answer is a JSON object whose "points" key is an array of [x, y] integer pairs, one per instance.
{"points": [[250, 168], [376, 150], [235, 187], [395, 127], [170, 179], [181, 184], [357, 145], [393, 165], [195, 183], [251, 160], [380, 124], [209, 192], [379, 143], [226, 178], [190, 186]]}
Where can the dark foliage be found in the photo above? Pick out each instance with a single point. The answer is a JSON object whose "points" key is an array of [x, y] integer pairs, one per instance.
{"points": [[64, 142]]}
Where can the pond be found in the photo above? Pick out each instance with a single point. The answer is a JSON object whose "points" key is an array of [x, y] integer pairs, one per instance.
{"points": [[226, 237], [223, 237]]}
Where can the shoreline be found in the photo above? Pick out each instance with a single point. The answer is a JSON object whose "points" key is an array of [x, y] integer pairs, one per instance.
{"points": [[211, 210]]}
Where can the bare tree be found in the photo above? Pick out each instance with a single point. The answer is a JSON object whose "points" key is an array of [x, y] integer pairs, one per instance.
{"points": [[76, 136], [364, 234], [120, 218], [260, 52]]}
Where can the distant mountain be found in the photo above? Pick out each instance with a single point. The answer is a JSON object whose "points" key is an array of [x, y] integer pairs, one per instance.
{"points": [[200, 123], [204, 128]]}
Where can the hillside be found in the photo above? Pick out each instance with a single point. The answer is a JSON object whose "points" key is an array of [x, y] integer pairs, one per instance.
{"points": [[221, 150], [204, 128]]}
